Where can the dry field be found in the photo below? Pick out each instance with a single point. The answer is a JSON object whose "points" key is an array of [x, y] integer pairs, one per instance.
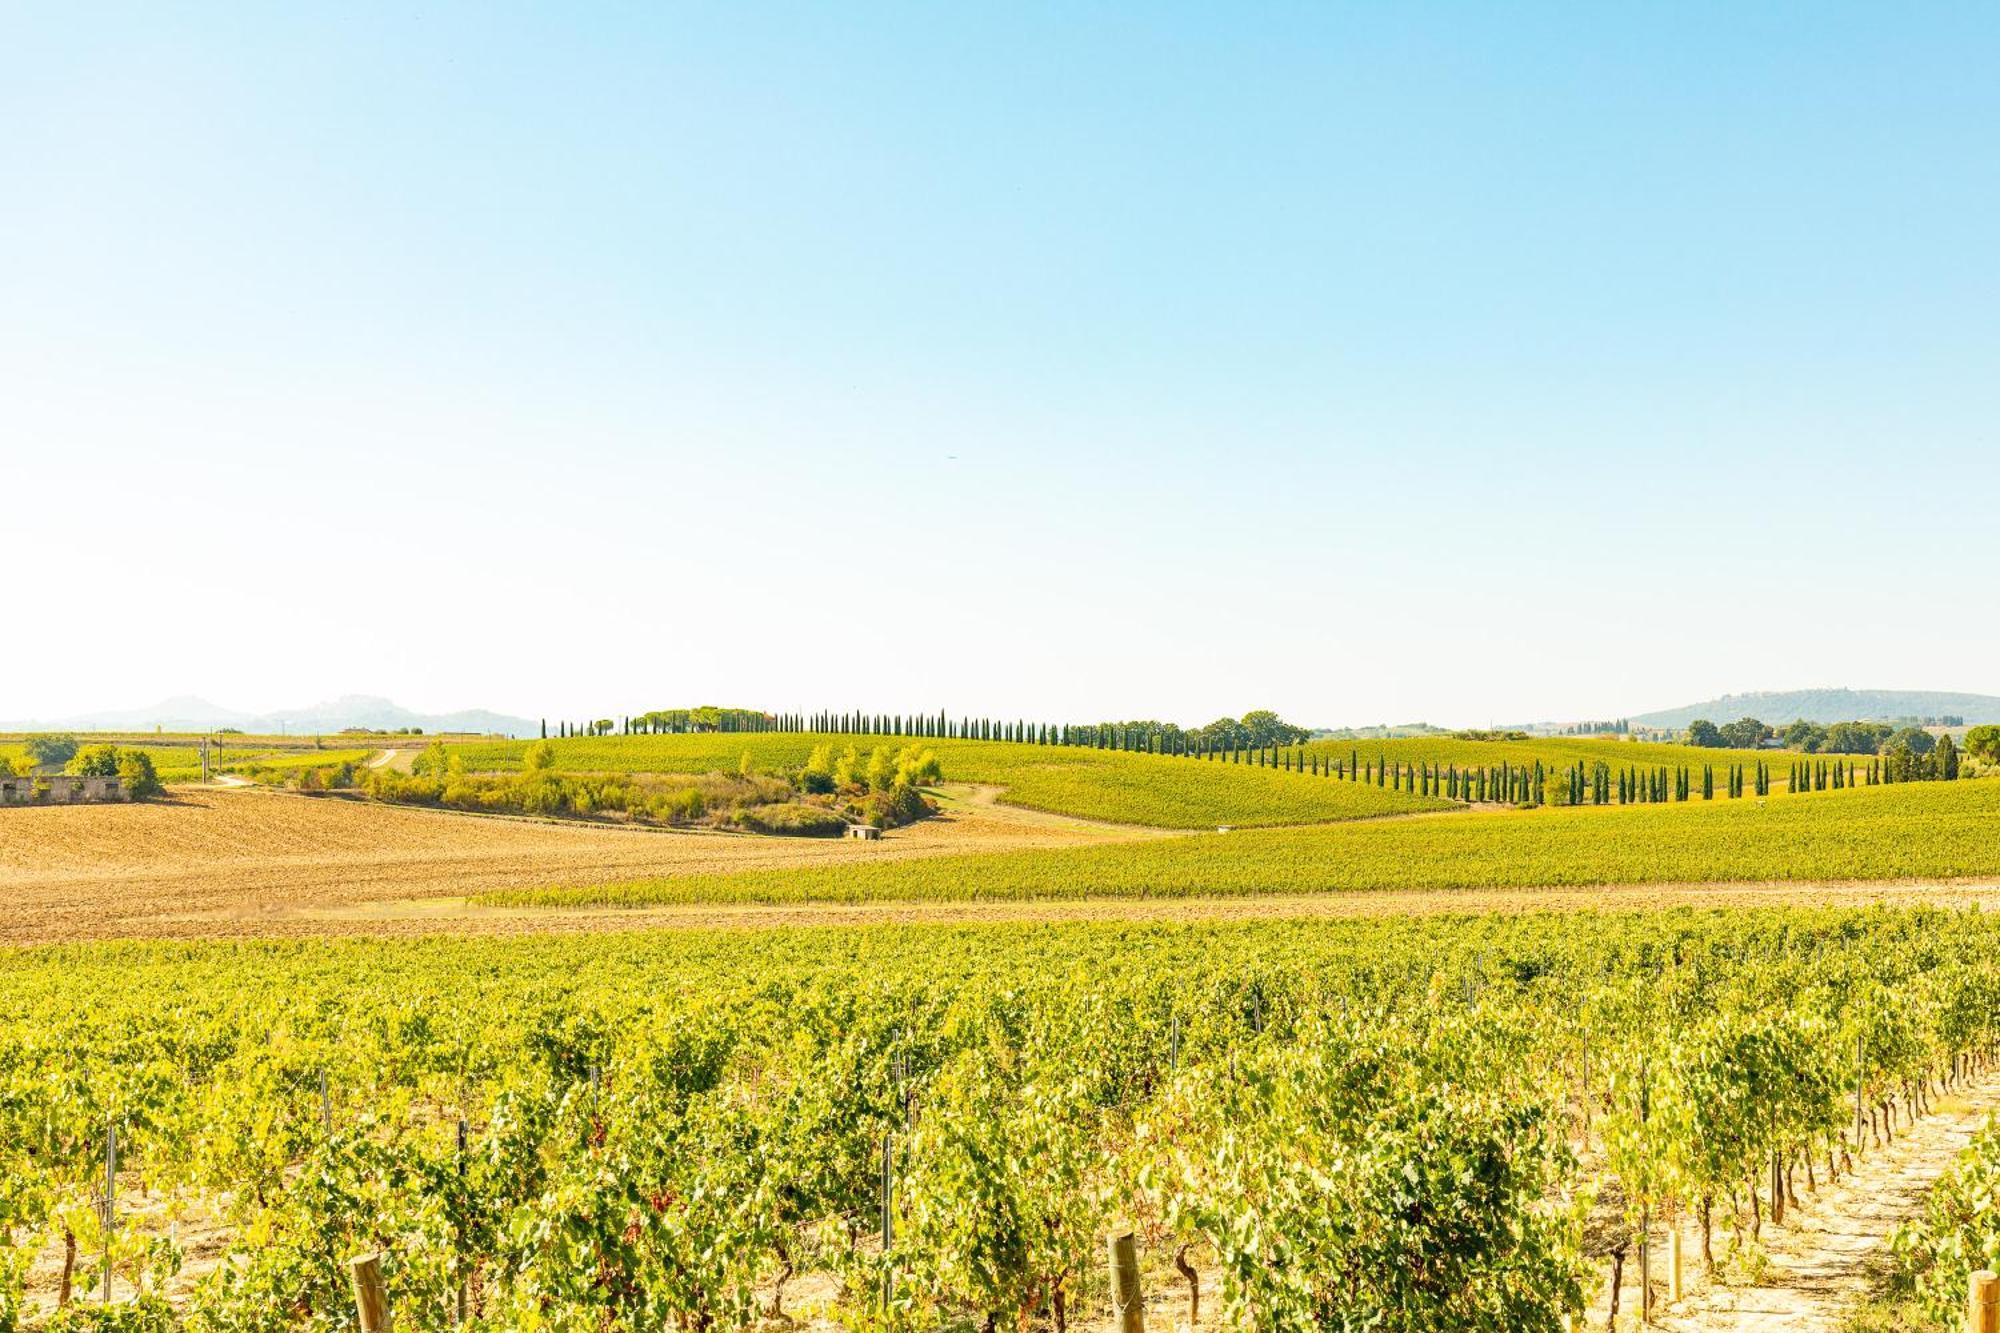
{"points": [[212, 861]]}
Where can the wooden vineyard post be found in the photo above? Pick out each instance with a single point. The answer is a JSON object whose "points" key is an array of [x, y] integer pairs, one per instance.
{"points": [[1777, 1190], [459, 1310], [1674, 1265], [1645, 1214], [371, 1298], [888, 1213], [1982, 1303], [110, 1200], [1128, 1311], [1860, 1070]]}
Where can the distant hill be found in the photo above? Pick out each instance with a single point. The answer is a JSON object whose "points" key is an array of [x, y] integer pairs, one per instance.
{"points": [[187, 713], [1780, 707]]}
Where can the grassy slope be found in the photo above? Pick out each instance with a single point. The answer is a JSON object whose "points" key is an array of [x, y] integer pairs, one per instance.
{"points": [[1928, 830], [1092, 784]]}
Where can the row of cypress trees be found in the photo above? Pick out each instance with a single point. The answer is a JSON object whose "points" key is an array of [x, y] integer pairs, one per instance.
{"points": [[1600, 785], [1941, 765], [1517, 784]]}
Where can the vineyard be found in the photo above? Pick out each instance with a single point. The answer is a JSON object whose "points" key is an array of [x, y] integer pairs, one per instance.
{"points": [[1921, 831], [181, 762], [1399, 1124]]}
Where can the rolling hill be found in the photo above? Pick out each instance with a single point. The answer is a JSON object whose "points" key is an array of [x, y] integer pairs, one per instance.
{"points": [[190, 714], [1842, 705]]}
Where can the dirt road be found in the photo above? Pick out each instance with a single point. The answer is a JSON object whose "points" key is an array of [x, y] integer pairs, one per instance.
{"points": [[1831, 1252]]}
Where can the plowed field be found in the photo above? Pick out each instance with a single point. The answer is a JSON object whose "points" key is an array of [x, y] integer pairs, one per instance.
{"points": [[219, 862]]}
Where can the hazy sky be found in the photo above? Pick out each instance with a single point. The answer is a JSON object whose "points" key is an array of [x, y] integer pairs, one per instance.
{"points": [[1369, 362]]}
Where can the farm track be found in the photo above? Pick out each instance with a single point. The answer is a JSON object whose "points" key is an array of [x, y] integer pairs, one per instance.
{"points": [[1832, 1252]]}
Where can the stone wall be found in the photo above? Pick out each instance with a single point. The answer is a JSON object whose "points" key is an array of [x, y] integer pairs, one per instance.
{"points": [[60, 789]]}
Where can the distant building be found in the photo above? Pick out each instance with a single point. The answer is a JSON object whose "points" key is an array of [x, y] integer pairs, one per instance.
{"points": [[60, 789], [865, 832]]}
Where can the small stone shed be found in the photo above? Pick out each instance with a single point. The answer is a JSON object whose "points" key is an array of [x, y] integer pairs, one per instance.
{"points": [[60, 789], [865, 832]]}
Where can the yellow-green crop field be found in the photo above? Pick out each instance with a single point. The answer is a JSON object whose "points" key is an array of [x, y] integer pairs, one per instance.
{"points": [[1154, 790], [168, 760], [179, 760], [1918, 831]]}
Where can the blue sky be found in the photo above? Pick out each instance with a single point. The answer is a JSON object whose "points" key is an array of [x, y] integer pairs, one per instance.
{"points": [[1467, 363]]}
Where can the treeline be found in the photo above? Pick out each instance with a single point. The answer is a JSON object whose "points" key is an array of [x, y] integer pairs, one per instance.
{"points": [[1897, 763], [1535, 784], [1600, 785], [669, 722], [1254, 730], [1898, 745], [819, 799], [1619, 728]]}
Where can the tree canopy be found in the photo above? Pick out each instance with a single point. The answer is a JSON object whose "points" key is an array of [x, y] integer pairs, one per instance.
{"points": [[1983, 744], [1745, 734], [1704, 733], [52, 750]]}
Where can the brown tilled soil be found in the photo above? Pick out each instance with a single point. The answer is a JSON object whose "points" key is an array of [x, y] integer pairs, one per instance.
{"points": [[216, 861]]}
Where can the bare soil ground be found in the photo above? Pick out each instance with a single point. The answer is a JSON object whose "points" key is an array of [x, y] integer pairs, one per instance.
{"points": [[222, 861], [1831, 1253]]}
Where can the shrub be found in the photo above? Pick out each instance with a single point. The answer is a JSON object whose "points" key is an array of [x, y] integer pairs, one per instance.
{"points": [[544, 794], [792, 819], [94, 761], [901, 804], [141, 780], [434, 762], [680, 806]]}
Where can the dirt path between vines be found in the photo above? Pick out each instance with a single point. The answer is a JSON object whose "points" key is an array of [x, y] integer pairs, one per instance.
{"points": [[1832, 1252]]}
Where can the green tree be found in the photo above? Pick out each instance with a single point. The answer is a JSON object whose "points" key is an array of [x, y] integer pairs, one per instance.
{"points": [[1915, 739], [539, 758], [848, 772], [1262, 728], [1853, 738], [1944, 759], [94, 761], [1805, 737], [1704, 733], [50, 751], [1745, 734], [1983, 744], [817, 775]]}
